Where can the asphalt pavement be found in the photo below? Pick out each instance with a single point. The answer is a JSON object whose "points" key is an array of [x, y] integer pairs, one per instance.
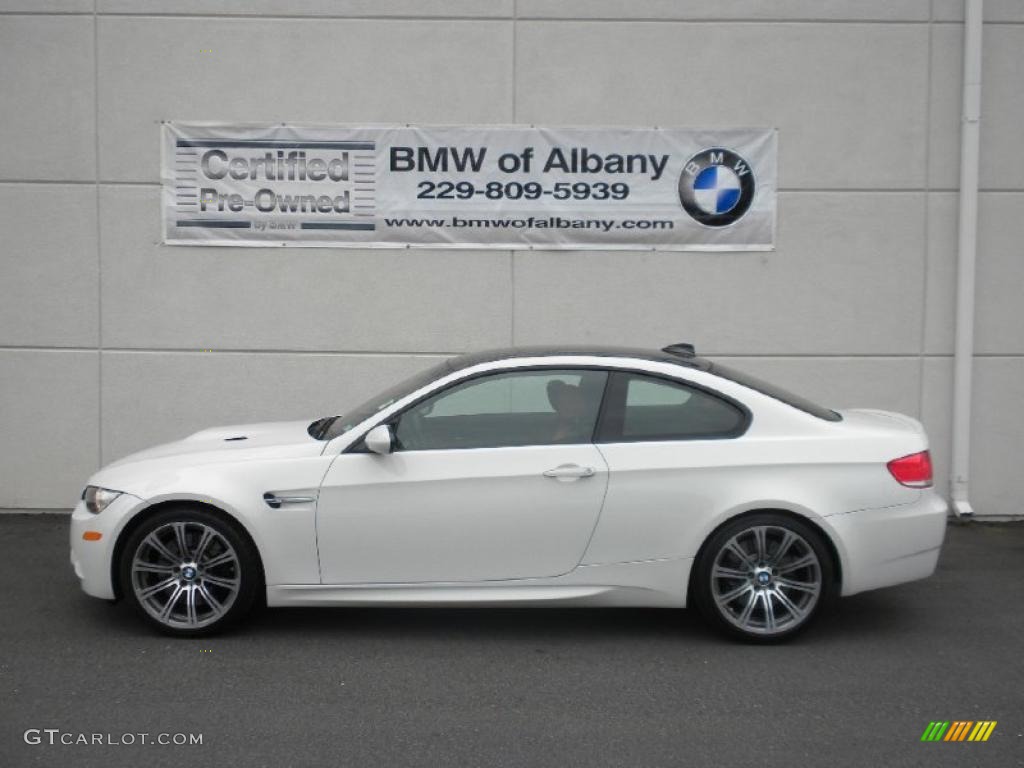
{"points": [[514, 687]]}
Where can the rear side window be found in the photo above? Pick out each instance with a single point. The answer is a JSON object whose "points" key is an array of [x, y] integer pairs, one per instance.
{"points": [[801, 403], [645, 408]]}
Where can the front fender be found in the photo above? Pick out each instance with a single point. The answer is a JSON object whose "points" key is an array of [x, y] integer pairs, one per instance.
{"points": [[285, 537]]}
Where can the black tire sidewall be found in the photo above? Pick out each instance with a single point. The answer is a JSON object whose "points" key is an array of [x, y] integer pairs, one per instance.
{"points": [[251, 582], [701, 584]]}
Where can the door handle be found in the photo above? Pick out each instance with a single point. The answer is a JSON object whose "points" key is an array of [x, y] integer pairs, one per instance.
{"points": [[569, 472]]}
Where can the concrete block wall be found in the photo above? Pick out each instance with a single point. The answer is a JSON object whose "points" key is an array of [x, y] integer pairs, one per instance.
{"points": [[110, 342]]}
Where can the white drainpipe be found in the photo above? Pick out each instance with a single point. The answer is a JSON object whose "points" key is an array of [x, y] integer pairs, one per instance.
{"points": [[963, 352]]}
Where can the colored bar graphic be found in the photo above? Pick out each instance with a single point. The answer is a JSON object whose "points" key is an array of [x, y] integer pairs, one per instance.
{"points": [[935, 730], [958, 730]]}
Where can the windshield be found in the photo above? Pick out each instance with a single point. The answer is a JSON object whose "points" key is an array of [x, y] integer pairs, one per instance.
{"points": [[773, 391], [330, 427]]}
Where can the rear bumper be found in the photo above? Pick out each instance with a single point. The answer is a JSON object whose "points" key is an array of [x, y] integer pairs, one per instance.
{"points": [[891, 545]]}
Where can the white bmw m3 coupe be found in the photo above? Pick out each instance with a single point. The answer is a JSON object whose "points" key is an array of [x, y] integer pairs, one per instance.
{"points": [[542, 476]]}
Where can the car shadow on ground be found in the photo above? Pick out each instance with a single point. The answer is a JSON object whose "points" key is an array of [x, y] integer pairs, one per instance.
{"points": [[860, 614], [882, 613]]}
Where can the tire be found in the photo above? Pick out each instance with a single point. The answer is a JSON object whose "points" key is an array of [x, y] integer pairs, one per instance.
{"points": [[763, 577], [190, 572]]}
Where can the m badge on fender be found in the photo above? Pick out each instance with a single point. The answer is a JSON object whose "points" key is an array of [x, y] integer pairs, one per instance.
{"points": [[716, 187]]}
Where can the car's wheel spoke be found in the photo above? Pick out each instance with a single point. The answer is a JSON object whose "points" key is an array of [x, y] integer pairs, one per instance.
{"points": [[140, 565], [780, 552], [190, 606], [217, 581], [166, 611], [161, 586], [722, 572], [180, 540], [220, 559], [748, 609], [738, 552], [731, 595], [769, 610], [794, 610], [804, 586], [204, 541], [211, 600], [804, 562], [761, 542], [158, 546]]}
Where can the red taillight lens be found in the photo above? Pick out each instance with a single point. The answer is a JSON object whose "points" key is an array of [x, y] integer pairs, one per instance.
{"points": [[914, 471]]}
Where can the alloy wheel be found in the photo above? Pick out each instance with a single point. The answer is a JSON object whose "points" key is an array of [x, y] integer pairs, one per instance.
{"points": [[766, 580], [185, 574]]}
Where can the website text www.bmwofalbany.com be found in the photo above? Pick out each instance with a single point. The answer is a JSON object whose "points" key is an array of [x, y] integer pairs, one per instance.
{"points": [[532, 222]]}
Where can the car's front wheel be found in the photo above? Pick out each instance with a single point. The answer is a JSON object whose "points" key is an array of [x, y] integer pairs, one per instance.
{"points": [[189, 572], [763, 577]]}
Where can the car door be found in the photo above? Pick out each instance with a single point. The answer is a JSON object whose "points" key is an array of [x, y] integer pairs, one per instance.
{"points": [[496, 477], [671, 449]]}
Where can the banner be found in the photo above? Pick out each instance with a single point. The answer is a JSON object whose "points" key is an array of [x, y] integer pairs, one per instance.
{"points": [[468, 187]]}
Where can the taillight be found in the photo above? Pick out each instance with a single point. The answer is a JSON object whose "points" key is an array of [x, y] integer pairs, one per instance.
{"points": [[914, 471]]}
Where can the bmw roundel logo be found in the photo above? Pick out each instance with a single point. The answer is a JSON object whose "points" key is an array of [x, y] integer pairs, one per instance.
{"points": [[716, 187]]}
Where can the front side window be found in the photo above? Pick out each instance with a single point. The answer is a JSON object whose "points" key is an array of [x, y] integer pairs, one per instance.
{"points": [[646, 408], [332, 426], [512, 408]]}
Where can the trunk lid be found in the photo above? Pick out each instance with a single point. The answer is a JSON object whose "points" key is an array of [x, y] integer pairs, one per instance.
{"points": [[893, 434]]}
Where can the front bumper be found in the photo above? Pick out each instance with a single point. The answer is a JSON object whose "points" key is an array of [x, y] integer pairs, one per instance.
{"points": [[91, 560], [891, 545]]}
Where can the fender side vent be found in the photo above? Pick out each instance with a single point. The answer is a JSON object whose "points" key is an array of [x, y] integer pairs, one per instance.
{"points": [[235, 439]]}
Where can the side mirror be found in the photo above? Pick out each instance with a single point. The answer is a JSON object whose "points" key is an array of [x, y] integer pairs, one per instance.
{"points": [[380, 440]]}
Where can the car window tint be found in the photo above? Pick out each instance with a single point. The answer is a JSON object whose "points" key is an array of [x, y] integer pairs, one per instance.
{"points": [[647, 408], [338, 425], [537, 407], [644, 392], [780, 394]]}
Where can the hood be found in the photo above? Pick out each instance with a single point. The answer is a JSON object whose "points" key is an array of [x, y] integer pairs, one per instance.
{"points": [[220, 445], [231, 443]]}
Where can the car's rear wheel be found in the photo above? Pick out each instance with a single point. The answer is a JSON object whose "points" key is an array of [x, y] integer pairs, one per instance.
{"points": [[189, 572], [763, 577]]}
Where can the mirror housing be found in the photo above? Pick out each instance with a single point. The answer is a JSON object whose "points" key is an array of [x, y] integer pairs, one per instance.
{"points": [[380, 440]]}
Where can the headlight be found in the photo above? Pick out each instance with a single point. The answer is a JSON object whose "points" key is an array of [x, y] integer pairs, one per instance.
{"points": [[97, 499]]}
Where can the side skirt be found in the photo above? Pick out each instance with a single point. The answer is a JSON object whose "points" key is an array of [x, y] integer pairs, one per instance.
{"points": [[652, 583]]}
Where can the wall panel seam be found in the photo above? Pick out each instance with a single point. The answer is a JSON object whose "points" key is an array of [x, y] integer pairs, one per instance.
{"points": [[297, 17], [555, 19], [907, 356], [533, 19], [781, 190]]}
